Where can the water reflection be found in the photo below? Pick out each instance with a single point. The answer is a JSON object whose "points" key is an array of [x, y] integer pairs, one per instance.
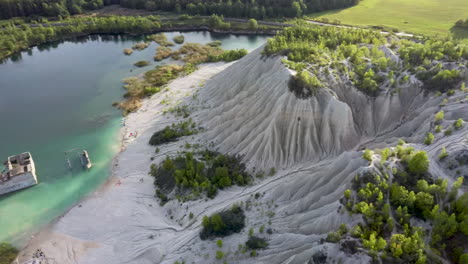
{"points": [[120, 38]]}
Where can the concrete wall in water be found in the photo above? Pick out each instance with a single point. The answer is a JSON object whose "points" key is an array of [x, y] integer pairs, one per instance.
{"points": [[17, 183]]}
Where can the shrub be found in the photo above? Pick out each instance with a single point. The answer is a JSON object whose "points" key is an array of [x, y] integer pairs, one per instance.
{"points": [[304, 84], [419, 163], [141, 63], [162, 53], [253, 24], [333, 237], [429, 138], [223, 224], [7, 253], [272, 171], [228, 56], [172, 133], [140, 46], [448, 132], [443, 154], [219, 243], [161, 39], [214, 44], [458, 124], [439, 117], [438, 128], [255, 242], [219, 254], [367, 155], [179, 39]]}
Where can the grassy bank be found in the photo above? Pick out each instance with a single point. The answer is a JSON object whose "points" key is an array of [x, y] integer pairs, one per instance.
{"points": [[424, 17]]}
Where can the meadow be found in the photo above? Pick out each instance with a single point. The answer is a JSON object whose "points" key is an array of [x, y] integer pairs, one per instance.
{"points": [[422, 17]]}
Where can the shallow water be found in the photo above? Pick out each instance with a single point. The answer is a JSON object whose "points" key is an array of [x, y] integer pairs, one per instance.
{"points": [[57, 98]]}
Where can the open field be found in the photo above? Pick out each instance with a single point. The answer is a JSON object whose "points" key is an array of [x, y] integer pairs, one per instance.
{"points": [[424, 17]]}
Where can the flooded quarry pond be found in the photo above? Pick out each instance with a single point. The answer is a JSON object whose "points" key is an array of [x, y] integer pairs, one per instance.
{"points": [[57, 101]]}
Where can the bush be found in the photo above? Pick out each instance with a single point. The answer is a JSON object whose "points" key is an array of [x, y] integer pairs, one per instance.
{"points": [[141, 63], [162, 53], [179, 39], [228, 56], [429, 138], [458, 124], [443, 154], [219, 254], [439, 116], [223, 224], [419, 163], [7, 253], [304, 84], [367, 155], [255, 242], [253, 24], [140, 46], [214, 44], [172, 133], [161, 39]]}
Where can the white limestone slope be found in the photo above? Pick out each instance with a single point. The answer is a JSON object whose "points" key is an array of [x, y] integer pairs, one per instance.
{"points": [[247, 109]]}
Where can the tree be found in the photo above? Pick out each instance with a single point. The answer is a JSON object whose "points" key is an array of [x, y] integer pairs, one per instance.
{"points": [[296, 9], [253, 24], [419, 163], [217, 222], [424, 203]]}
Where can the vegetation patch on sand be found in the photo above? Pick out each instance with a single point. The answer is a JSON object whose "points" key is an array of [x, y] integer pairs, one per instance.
{"points": [[223, 224], [426, 17], [151, 83], [192, 174], [173, 132]]}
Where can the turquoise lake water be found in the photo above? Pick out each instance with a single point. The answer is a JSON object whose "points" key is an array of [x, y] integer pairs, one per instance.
{"points": [[58, 97]]}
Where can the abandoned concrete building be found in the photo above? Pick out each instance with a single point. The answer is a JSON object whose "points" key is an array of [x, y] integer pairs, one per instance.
{"points": [[19, 173]]}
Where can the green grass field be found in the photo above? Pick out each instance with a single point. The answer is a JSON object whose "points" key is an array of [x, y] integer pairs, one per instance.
{"points": [[424, 17]]}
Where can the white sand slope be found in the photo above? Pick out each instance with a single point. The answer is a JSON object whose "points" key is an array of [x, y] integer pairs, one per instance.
{"points": [[246, 109]]}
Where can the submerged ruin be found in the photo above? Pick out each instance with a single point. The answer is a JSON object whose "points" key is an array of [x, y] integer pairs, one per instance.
{"points": [[19, 173]]}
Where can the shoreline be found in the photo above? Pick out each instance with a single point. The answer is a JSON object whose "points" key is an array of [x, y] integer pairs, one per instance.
{"points": [[54, 238]]}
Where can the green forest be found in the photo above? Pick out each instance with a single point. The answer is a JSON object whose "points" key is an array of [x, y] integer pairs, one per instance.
{"points": [[398, 201], [358, 55], [240, 8]]}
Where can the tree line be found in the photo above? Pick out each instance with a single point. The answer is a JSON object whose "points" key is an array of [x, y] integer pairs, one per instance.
{"points": [[240, 8], [15, 38]]}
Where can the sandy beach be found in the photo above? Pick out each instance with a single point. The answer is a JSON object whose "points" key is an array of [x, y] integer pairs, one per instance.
{"points": [[92, 224]]}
